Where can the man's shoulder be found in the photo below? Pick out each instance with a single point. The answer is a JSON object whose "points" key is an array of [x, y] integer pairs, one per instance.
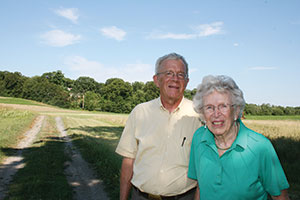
{"points": [[146, 105], [185, 100], [188, 107]]}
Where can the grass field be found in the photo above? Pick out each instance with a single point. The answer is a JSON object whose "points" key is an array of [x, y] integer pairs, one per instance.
{"points": [[96, 136], [11, 100], [272, 117]]}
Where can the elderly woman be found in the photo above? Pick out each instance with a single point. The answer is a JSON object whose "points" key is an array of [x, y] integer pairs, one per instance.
{"points": [[229, 160]]}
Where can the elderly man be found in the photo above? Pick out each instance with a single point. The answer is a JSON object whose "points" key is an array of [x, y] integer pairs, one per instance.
{"points": [[155, 143]]}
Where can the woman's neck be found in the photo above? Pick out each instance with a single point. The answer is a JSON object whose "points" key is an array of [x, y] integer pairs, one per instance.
{"points": [[224, 142]]}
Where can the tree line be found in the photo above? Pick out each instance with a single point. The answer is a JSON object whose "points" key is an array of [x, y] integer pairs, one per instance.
{"points": [[115, 95]]}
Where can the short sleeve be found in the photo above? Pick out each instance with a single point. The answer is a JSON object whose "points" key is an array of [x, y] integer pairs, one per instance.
{"points": [[127, 146], [272, 174]]}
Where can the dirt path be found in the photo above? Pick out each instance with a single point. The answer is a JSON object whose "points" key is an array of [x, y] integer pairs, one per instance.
{"points": [[78, 172], [11, 164]]}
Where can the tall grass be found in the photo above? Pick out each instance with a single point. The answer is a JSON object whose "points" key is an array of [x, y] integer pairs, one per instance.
{"points": [[273, 117], [285, 136], [13, 124]]}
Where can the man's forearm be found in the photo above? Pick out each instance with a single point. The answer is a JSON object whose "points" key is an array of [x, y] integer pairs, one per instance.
{"points": [[126, 175], [197, 194]]}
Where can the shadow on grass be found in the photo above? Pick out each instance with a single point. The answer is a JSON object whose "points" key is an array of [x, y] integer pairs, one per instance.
{"points": [[106, 134], [42, 175], [98, 148], [288, 151]]}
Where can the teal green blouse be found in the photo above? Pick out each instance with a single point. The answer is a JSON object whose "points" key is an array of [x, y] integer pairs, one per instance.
{"points": [[250, 169]]}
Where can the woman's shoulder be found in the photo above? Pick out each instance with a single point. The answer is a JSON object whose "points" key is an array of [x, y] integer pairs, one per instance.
{"points": [[257, 141], [199, 133]]}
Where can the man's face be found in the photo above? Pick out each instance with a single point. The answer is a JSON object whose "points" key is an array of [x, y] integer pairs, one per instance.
{"points": [[169, 80]]}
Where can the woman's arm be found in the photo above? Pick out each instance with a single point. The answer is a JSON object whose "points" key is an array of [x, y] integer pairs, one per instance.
{"points": [[283, 196]]}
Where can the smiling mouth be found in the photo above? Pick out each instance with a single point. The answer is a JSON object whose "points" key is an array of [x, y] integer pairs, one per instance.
{"points": [[217, 123], [173, 87]]}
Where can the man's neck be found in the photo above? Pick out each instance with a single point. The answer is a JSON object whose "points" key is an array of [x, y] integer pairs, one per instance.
{"points": [[171, 104]]}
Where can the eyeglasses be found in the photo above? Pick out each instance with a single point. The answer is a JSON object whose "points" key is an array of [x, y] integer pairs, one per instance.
{"points": [[171, 74], [223, 108]]}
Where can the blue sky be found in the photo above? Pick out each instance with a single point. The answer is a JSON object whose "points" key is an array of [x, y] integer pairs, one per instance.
{"points": [[256, 42]]}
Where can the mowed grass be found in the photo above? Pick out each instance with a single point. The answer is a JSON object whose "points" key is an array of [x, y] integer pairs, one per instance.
{"points": [[43, 175], [12, 100], [285, 137], [13, 124]]}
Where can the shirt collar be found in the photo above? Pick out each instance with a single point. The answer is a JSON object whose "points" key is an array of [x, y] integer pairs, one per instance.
{"points": [[241, 139], [163, 108]]}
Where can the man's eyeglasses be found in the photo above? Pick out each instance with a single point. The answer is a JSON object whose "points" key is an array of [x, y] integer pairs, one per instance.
{"points": [[223, 108], [171, 74]]}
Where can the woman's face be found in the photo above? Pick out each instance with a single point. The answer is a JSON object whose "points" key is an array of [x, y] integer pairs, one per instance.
{"points": [[219, 113]]}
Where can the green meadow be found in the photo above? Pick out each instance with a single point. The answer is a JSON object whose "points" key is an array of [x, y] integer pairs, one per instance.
{"points": [[96, 135]]}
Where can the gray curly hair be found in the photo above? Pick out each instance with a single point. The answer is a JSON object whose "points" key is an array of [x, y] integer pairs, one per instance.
{"points": [[220, 83]]}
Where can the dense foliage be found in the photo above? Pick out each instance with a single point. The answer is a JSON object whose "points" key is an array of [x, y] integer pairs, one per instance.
{"points": [[115, 95]]}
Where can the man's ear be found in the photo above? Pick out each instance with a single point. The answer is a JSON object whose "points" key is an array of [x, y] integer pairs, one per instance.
{"points": [[155, 80], [187, 81]]}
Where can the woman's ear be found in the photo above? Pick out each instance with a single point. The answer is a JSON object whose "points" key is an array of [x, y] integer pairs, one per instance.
{"points": [[237, 113]]}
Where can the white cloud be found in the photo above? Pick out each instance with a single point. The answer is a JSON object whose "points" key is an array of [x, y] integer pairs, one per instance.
{"points": [[113, 32], [59, 38], [236, 44], [80, 66], [262, 68], [68, 13], [203, 30], [159, 35]]}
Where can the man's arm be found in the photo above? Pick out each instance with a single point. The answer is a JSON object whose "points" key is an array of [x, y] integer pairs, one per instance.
{"points": [[197, 193], [283, 196], [126, 175]]}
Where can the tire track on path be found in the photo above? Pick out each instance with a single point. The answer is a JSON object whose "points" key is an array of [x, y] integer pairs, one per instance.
{"points": [[12, 164], [78, 172]]}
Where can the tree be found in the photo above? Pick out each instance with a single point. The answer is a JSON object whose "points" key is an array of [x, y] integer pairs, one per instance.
{"points": [[84, 84], [39, 89], [11, 84], [116, 96], [151, 91], [55, 77], [266, 109], [137, 86], [189, 94], [92, 100]]}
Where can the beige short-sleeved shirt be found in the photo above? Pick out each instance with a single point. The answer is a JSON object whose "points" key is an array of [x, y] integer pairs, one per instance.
{"points": [[160, 143]]}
